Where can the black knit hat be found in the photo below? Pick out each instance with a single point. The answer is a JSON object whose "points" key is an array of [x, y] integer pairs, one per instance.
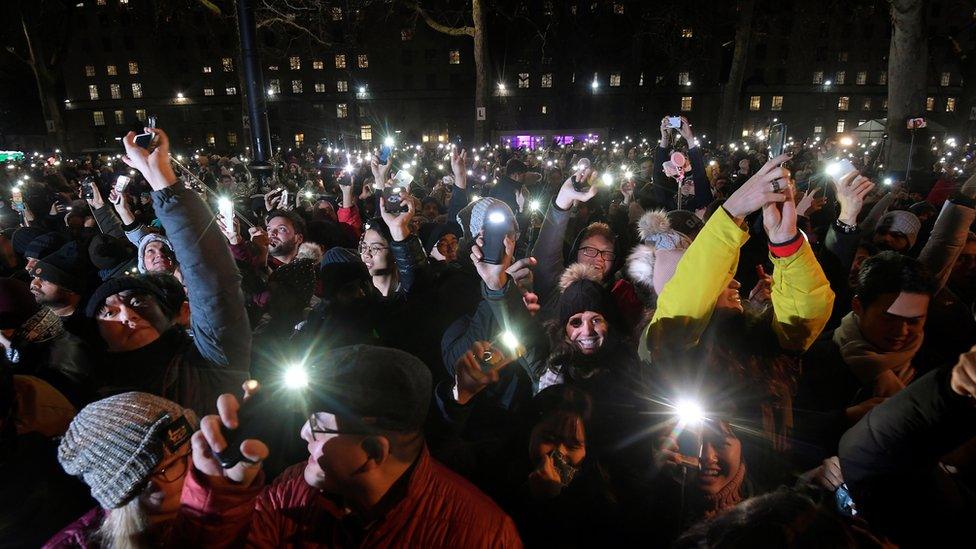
{"points": [[66, 267], [44, 245], [581, 291], [16, 303], [113, 286], [432, 233], [111, 256], [23, 237]]}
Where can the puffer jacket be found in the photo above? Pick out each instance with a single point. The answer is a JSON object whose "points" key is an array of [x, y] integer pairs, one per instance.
{"points": [[438, 509]]}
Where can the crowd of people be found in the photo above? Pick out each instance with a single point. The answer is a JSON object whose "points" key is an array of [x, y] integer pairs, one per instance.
{"points": [[591, 343]]}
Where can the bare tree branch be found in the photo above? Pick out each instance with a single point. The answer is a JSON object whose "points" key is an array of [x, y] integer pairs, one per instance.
{"points": [[213, 8], [439, 27]]}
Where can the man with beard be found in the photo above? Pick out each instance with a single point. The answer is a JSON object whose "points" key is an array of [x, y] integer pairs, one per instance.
{"points": [[59, 283], [286, 231]]}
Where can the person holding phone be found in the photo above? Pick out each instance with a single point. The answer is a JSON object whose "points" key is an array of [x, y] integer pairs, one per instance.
{"points": [[660, 191]]}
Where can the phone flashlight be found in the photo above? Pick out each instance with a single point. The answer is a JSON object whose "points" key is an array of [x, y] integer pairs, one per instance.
{"points": [[295, 377], [607, 179], [534, 205], [888, 181]]}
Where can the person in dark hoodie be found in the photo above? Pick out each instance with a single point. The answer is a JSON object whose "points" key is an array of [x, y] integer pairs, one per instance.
{"points": [[147, 350]]}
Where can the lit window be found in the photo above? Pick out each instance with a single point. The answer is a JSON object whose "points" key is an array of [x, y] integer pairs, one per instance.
{"points": [[745, 133], [687, 32], [89, 70], [337, 14], [686, 103], [950, 104], [683, 78], [842, 57], [840, 125], [342, 110], [141, 115], [123, 2], [843, 103], [207, 69], [818, 77], [296, 86], [945, 79], [111, 70], [101, 2], [136, 90], [866, 104], [119, 117], [211, 139], [884, 104], [231, 90], [228, 64], [92, 92], [618, 8], [547, 80], [342, 86], [882, 78], [755, 103], [319, 87], [294, 63], [406, 35], [777, 103], [641, 81], [841, 76], [208, 91], [299, 139], [523, 80], [818, 129], [862, 78], [545, 109], [454, 58], [99, 118], [363, 60], [274, 85], [366, 132], [115, 90], [133, 67], [340, 61], [273, 68], [930, 104], [318, 64], [614, 79], [232, 139]]}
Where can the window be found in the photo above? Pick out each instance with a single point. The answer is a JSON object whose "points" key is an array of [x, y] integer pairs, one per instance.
{"points": [[687, 32], [342, 110], [686, 103], [89, 70], [111, 70], [119, 118], [884, 104], [92, 92], [340, 61], [866, 104], [842, 57], [841, 76], [207, 69], [366, 133], [101, 2], [641, 81], [319, 87], [299, 139], [950, 104], [141, 115], [337, 13], [523, 80], [136, 90], [99, 118], [296, 86], [318, 64], [273, 68], [406, 35], [295, 63], [862, 78], [777, 103], [618, 8], [818, 77], [342, 86], [547, 80], [228, 64], [614, 79], [274, 86], [883, 78], [945, 79], [930, 104], [683, 78], [454, 57], [818, 129], [843, 103], [840, 125], [755, 103], [115, 91], [133, 67], [363, 60], [232, 139], [363, 111], [231, 90], [208, 91], [211, 139]]}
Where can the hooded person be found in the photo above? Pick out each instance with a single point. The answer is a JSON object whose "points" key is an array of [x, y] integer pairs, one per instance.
{"points": [[156, 255]]}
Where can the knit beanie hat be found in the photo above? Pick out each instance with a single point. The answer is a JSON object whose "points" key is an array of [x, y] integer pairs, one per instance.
{"points": [[149, 239], [432, 233], [16, 303], [44, 245], [479, 210], [340, 255], [66, 267], [582, 291], [111, 256], [115, 443], [652, 264], [113, 286], [23, 237], [901, 221]]}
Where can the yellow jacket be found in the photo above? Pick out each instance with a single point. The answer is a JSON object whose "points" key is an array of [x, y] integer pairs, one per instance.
{"points": [[802, 298]]}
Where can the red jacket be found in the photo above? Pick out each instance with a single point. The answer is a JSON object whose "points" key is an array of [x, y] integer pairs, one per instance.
{"points": [[79, 533], [438, 509]]}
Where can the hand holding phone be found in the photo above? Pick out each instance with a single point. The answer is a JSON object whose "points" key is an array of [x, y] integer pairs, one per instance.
{"points": [[148, 139], [674, 122]]}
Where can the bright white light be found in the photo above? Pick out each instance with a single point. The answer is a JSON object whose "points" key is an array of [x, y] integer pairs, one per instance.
{"points": [[607, 179], [689, 412], [362, 89], [225, 203], [628, 174], [179, 95], [534, 205], [496, 217], [388, 141], [846, 141], [827, 83], [501, 86], [595, 84], [887, 181], [308, 194], [296, 377], [833, 169], [509, 340]]}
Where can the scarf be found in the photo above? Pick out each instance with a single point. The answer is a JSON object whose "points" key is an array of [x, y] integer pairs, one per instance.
{"points": [[44, 325], [729, 496], [886, 372]]}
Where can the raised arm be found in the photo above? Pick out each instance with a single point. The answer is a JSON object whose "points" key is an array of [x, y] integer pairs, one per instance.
{"points": [[703, 187], [948, 236]]}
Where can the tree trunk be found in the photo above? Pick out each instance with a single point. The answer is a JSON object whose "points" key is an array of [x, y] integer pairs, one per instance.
{"points": [[729, 110], [481, 86], [907, 70], [44, 77]]}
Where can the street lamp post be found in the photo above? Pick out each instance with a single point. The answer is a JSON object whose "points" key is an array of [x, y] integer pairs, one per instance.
{"points": [[257, 109]]}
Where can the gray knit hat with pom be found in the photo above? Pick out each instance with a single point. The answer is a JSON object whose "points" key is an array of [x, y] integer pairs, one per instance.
{"points": [[115, 443]]}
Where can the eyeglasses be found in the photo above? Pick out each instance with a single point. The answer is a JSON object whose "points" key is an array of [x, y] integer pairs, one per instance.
{"points": [[371, 250], [316, 430], [589, 251], [175, 470]]}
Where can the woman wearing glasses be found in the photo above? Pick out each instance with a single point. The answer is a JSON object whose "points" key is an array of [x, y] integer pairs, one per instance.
{"points": [[133, 451]]}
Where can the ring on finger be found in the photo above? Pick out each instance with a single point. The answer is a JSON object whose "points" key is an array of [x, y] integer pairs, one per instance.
{"points": [[776, 186]]}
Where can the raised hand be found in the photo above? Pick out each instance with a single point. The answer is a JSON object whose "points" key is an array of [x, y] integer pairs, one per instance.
{"points": [[568, 196], [459, 160], [494, 276], [768, 185], [963, 377], [851, 191], [97, 202], [154, 166], [779, 218], [399, 223], [478, 368], [209, 439]]}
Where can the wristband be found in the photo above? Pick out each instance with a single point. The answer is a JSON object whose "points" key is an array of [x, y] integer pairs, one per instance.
{"points": [[844, 227], [788, 248]]}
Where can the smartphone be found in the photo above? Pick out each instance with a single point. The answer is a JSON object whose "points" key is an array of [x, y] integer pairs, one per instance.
{"points": [[777, 140], [565, 469], [17, 200], [394, 204], [839, 169], [403, 179], [844, 501], [284, 198], [916, 123], [579, 184], [385, 151], [674, 122], [458, 142], [146, 140], [494, 229], [690, 446], [86, 188], [248, 426], [121, 183], [226, 207]]}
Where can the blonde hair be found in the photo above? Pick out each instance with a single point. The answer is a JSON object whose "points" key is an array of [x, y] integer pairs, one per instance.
{"points": [[124, 527]]}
